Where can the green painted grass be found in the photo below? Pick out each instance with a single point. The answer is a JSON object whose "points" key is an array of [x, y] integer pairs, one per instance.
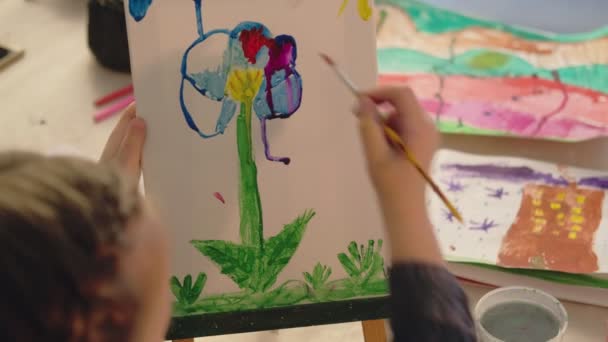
{"points": [[290, 293]]}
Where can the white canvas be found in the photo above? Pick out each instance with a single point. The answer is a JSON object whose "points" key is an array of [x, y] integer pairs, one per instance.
{"points": [[490, 188], [188, 176]]}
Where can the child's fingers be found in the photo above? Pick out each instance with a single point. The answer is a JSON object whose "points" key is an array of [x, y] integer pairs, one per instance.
{"points": [[403, 100], [395, 121], [376, 147], [130, 153], [118, 133]]}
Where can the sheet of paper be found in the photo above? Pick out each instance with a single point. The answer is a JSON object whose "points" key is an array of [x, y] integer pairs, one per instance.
{"points": [[477, 76], [253, 155], [521, 213]]}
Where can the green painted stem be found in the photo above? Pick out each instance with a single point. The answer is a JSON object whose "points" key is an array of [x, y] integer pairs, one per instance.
{"points": [[249, 199]]}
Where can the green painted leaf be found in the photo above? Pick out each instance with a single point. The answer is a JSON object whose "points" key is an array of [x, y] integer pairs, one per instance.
{"points": [[176, 288], [327, 274], [187, 282], [354, 252], [309, 278], [279, 249], [235, 261], [369, 255], [348, 265], [197, 288], [186, 286], [318, 271], [376, 269]]}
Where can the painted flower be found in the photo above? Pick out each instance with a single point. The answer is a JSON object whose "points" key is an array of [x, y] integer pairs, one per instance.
{"points": [[257, 69]]}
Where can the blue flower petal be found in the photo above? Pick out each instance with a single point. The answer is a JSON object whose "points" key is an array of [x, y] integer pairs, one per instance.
{"points": [[227, 113], [139, 8]]}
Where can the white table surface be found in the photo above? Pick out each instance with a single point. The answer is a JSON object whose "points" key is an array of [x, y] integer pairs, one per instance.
{"points": [[46, 102]]}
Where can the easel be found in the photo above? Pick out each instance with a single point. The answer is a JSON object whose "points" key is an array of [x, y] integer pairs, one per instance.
{"points": [[373, 331]]}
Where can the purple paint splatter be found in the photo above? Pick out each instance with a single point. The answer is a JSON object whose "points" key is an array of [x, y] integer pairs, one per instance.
{"points": [[486, 225], [448, 215], [454, 186], [497, 193]]}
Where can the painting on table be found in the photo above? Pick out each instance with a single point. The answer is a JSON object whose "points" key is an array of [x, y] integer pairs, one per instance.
{"points": [[523, 214], [260, 211], [477, 76]]}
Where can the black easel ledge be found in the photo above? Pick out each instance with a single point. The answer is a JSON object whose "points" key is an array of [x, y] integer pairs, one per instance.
{"points": [[279, 318]]}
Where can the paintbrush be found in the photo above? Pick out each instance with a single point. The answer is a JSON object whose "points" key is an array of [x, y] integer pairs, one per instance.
{"points": [[396, 139]]}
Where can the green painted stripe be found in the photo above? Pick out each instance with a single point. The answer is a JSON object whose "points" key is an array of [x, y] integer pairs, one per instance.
{"points": [[488, 63], [431, 19], [552, 276]]}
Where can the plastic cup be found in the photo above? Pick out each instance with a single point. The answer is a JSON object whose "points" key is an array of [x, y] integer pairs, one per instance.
{"points": [[525, 295]]}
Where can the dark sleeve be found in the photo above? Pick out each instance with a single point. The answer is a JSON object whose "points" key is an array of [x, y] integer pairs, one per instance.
{"points": [[428, 305]]}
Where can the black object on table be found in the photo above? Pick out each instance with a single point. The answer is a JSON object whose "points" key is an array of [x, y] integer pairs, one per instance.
{"points": [[107, 34]]}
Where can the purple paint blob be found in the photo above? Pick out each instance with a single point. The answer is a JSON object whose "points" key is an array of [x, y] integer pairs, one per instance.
{"points": [[448, 216], [596, 182], [282, 55], [496, 193], [505, 173]]}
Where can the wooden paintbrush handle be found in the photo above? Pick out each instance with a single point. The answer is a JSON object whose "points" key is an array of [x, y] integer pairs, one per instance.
{"points": [[394, 137]]}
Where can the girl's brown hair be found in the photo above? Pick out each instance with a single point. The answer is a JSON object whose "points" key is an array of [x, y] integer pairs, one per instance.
{"points": [[62, 224]]}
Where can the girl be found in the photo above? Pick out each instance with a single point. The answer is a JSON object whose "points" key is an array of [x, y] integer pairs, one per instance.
{"points": [[75, 238]]}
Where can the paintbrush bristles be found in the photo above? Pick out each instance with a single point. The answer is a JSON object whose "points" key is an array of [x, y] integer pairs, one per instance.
{"points": [[327, 59]]}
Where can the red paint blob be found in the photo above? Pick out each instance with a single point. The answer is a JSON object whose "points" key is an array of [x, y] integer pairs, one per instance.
{"points": [[219, 197], [252, 41]]}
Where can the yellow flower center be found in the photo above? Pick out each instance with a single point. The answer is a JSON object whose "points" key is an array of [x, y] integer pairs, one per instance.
{"points": [[244, 84]]}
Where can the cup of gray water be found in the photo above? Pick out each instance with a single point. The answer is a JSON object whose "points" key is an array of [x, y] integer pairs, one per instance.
{"points": [[520, 314]]}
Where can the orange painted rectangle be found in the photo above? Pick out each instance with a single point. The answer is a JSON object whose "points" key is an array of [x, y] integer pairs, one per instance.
{"points": [[566, 242]]}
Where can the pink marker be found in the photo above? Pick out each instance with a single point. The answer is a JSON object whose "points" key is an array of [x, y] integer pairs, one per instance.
{"points": [[128, 90], [113, 109]]}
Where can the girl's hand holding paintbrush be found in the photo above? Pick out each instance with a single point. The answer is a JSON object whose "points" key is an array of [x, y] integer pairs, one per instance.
{"points": [[400, 188], [386, 161]]}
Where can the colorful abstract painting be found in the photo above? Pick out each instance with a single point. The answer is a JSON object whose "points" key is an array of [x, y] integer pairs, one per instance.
{"points": [[246, 194], [476, 76], [523, 214]]}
